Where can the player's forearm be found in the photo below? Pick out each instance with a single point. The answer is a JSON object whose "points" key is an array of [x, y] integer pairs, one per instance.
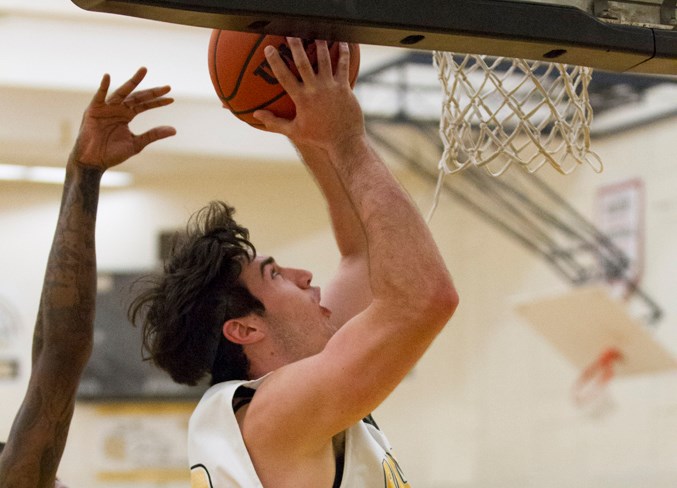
{"points": [[66, 315], [405, 266], [62, 340], [346, 225]]}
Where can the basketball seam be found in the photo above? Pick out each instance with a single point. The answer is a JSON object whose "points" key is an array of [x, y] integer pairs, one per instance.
{"points": [[262, 105], [217, 85], [252, 51]]}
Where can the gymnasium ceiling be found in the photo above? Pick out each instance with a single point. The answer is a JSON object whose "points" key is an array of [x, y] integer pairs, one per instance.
{"points": [[54, 54]]}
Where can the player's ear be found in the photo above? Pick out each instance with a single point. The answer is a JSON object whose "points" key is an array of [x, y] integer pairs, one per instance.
{"points": [[243, 330]]}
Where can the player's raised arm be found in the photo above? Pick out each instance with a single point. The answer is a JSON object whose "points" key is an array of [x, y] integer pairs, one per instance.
{"points": [[62, 341], [413, 296], [349, 292]]}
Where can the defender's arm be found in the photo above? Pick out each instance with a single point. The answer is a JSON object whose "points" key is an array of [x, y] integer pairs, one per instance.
{"points": [[62, 340]]}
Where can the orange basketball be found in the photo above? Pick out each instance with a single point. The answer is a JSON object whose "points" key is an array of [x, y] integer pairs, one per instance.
{"points": [[243, 79]]}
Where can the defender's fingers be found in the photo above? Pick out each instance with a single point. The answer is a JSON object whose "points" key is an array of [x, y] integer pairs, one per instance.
{"points": [[286, 78], [100, 95], [139, 108], [152, 135], [151, 104], [148, 94], [121, 93]]}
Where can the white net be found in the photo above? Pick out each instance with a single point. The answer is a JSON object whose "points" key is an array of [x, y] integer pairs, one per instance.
{"points": [[499, 112]]}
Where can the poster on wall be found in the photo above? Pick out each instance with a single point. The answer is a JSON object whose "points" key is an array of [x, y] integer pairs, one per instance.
{"points": [[117, 370], [620, 216], [142, 443]]}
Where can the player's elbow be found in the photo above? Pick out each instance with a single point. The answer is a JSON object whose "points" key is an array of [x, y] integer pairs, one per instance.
{"points": [[445, 301], [83, 354], [439, 302]]}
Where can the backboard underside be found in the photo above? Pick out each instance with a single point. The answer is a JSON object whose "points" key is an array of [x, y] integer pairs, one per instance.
{"points": [[637, 36]]}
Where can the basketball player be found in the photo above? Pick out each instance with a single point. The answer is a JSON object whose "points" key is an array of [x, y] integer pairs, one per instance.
{"points": [[62, 341], [297, 371]]}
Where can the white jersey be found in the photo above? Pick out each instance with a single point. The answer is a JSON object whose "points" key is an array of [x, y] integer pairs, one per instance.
{"points": [[219, 459]]}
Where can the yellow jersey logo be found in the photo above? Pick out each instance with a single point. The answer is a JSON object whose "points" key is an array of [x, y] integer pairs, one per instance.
{"points": [[199, 477], [394, 477]]}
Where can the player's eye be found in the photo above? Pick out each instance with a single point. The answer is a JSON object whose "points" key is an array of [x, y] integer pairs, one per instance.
{"points": [[274, 273]]}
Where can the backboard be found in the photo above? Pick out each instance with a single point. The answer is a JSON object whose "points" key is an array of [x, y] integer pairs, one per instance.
{"points": [[623, 35], [584, 322]]}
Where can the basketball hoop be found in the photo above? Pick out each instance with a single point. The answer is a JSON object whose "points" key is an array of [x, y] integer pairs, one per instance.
{"points": [[594, 379], [499, 112]]}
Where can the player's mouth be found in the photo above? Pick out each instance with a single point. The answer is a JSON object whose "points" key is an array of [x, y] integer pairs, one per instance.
{"points": [[325, 311]]}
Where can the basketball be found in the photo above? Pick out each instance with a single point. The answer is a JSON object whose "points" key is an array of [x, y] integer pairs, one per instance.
{"points": [[243, 79]]}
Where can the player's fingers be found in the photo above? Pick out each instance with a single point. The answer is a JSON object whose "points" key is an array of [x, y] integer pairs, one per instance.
{"points": [[323, 58], [286, 78], [343, 65], [121, 93], [271, 122], [301, 60], [152, 135]]}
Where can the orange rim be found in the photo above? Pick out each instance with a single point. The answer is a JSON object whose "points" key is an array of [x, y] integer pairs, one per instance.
{"points": [[596, 377]]}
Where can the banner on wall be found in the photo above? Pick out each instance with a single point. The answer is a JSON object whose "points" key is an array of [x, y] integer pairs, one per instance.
{"points": [[116, 371], [142, 442], [10, 330], [620, 216]]}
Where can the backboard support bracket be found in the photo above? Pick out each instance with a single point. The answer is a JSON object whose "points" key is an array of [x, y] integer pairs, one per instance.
{"points": [[601, 10], [669, 12]]}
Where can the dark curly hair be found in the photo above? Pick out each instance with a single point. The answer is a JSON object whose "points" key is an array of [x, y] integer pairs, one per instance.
{"points": [[182, 311]]}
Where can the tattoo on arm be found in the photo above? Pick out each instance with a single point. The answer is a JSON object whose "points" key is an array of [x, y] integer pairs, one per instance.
{"points": [[62, 339], [69, 290]]}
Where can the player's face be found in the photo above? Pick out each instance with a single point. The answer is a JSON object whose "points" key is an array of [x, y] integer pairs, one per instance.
{"points": [[294, 315]]}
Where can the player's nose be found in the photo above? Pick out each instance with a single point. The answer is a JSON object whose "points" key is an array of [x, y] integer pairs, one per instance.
{"points": [[303, 278]]}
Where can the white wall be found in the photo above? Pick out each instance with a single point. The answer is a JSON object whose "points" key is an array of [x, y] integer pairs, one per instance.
{"points": [[490, 404]]}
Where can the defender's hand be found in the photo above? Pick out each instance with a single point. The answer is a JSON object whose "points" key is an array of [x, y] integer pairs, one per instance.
{"points": [[105, 139]]}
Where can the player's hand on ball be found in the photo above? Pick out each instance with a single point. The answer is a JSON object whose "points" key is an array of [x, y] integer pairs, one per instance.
{"points": [[327, 111]]}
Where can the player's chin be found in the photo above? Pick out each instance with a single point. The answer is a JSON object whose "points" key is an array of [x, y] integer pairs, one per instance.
{"points": [[330, 327]]}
